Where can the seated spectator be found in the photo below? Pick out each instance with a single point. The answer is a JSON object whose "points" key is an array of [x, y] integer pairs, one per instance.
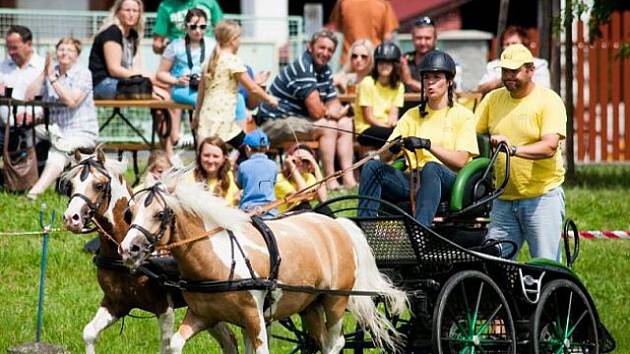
{"points": [[216, 105], [439, 139], [157, 164], [492, 78], [21, 67], [213, 168], [309, 107], [115, 53], [359, 66], [257, 175], [181, 62], [299, 170], [73, 126], [424, 40], [379, 98]]}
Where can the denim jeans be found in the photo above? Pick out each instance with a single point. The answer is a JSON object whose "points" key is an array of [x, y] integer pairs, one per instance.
{"points": [[106, 89], [380, 180], [535, 220]]}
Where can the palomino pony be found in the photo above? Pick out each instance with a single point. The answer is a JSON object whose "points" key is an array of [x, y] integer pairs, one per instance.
{"points": [[100, 193], [316, 251]]}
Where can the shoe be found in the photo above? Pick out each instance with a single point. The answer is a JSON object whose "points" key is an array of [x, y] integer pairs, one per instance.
{"points": [[31, 196]]}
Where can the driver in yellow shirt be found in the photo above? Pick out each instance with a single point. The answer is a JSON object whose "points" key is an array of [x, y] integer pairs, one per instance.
{"points": [[531, 119]]}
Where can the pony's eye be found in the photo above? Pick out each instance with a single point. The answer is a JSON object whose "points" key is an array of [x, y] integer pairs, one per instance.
{"points": [[99, 186], [159, 215]]}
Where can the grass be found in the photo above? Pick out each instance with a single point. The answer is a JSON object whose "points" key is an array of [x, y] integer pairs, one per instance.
{"points": [[596, 199]]}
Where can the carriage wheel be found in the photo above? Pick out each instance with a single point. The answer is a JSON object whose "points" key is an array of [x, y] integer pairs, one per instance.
{"points": [[564, 321], [472, 316]]}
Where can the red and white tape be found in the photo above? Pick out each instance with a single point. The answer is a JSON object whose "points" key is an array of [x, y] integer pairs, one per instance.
{"points": [[612, 235]]}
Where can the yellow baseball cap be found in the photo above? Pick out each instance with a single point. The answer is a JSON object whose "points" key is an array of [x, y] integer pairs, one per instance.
{"points": [[514, 56]]}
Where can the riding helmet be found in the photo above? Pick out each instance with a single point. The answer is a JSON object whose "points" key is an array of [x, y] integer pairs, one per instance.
{"points": [[387, 51], [438, 61]]}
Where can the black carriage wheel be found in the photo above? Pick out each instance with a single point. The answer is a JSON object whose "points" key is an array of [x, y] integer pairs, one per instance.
{"points": [[472, 316], [564, 321]]}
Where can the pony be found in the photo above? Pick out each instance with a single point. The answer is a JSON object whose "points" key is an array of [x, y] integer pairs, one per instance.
{"points": [[99, 193], [315, 251]]}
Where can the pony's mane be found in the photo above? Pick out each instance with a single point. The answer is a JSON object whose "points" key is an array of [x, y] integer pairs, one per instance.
{"points": [[196, 198]]}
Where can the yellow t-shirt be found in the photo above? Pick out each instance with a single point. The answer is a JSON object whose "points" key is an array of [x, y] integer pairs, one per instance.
{"points": [[524, 121], [285, 187], [452, 128], [232, 195], [380, 98]]}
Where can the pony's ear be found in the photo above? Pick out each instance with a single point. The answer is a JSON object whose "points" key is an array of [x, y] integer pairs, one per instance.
{"points": [[170, 184], [77, 156], [150, 180], [100, 155]]}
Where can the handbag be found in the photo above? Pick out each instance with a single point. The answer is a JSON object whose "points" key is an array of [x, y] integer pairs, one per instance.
{"points": [[135, 87], [20, 166]]}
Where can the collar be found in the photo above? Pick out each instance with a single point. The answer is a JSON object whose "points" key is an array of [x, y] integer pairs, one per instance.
{"points": [[258, 155], [35, 61], [309, 60]]}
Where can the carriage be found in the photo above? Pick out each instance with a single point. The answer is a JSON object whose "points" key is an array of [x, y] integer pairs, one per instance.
{"points": [[464, 299]]}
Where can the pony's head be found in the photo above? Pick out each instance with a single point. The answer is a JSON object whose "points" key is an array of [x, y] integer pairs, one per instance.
{"points": [[89, 183], [151, 222]]}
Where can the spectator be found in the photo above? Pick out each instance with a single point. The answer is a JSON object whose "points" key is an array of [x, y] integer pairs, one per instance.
{"points": [[299, 170], [170, 21], [492, 78], [73, 126], [216, 107], [257, 175], [357, 19], [18, 71], [439, 138], [181, 62], [309, 107], [531, 119], [359, 66], [424, 38], [157, 165], [379, 98], [213, 168], [115, 53]]}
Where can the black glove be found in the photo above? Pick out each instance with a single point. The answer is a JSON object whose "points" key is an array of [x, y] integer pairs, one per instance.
{"points": [[396, 147], [413, 142]]}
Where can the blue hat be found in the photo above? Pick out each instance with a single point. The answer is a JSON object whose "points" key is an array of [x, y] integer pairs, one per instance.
{"points": [[256, 139]]}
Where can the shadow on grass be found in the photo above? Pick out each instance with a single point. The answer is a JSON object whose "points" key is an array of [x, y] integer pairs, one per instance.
{"points": [[600, 176]]}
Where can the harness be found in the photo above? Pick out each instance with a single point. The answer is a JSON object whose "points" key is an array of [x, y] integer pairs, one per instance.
{"points": [[103, 195]]}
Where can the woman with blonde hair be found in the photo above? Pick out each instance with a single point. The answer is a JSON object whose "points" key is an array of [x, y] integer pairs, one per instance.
{"points": [[216, 102], [358, 67], [115, 53]]}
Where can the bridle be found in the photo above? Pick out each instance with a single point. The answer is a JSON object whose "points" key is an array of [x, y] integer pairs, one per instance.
{"points": [[103, 195], [166, 216]]}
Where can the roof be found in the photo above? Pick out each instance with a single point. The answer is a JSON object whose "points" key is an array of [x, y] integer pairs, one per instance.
{"points": [[407, 10]]}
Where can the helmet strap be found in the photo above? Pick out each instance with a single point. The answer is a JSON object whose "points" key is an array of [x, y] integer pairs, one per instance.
{"points": [[422, 107]]}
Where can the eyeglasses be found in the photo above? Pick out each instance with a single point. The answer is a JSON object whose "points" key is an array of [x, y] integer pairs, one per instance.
{"points": [[362, 56], [424, 21], [194, 27]]}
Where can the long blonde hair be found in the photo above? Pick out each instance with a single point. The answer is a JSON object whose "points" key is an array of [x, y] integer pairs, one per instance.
{"points": [[367, 44], [225, 31], [112, 19]]}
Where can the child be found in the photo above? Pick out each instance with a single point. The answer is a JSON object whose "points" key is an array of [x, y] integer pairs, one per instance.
{"points": [[157, 165], [257, 175], [300, 170], [217, 99], [379, 97]]}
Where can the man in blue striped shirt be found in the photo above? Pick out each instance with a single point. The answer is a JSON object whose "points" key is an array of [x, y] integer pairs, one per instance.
{"points": [[309, 109]]}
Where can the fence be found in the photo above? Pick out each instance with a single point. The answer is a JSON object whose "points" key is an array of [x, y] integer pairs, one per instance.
{"points": [[602, 93]]}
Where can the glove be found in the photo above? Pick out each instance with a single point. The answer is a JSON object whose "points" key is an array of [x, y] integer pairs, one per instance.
{"points": [[413, 142], [396, 147]]}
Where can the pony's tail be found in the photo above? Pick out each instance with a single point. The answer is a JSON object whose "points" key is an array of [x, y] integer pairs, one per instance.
{"points": [[369, 278]]}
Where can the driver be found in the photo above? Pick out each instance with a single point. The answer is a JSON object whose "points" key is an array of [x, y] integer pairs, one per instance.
{"points": [[438, 138]]}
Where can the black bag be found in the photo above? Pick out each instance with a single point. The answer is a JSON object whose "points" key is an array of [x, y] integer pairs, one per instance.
{"points": [[135, 87], [20, 165]]}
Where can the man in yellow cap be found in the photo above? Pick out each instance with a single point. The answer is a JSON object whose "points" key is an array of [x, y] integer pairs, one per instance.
{"points": [[531, 119]]}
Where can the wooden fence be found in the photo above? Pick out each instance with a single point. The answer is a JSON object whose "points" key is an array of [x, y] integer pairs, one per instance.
{"points": [[602, 93]]}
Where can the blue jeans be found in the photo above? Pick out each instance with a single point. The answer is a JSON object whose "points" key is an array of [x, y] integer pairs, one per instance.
{"points": [[183, 94], [381, 180], [106, 89], [535, 220]]}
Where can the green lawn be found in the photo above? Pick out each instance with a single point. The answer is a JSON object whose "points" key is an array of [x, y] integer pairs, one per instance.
{"points": [[598, 199]]}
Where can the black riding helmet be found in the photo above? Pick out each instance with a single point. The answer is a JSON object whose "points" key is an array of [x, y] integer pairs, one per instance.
{"points": [[438, 61], [387, 51]]}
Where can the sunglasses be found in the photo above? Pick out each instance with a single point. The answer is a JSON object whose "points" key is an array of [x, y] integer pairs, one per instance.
{"points": [[424, 21], [194, 27], [362, 56]]}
